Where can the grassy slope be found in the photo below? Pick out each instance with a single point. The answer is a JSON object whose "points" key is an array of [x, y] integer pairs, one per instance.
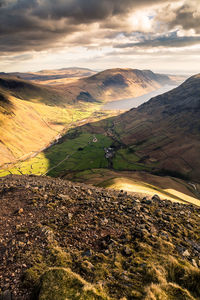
{"points": [[139, 183], [75, 241], [31, 116]]}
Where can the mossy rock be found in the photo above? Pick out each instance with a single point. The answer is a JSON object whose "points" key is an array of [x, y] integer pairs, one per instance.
{"points": [[62, 284]]}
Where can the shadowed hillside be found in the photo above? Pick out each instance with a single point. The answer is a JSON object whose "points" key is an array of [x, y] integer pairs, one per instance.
{"points": [[27, 91], [166, 129]]}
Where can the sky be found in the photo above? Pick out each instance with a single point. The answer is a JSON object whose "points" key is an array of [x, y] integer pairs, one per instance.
{"points": [[160, 35]]}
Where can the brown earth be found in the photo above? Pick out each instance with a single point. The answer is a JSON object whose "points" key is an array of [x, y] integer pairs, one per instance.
{"points": [[130, 246]]}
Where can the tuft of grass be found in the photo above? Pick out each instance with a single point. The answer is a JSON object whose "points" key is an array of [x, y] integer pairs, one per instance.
{"points": [[62, 284], [183, 273]]}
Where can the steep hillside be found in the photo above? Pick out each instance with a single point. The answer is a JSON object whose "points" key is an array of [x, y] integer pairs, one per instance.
{"points": [[115, 84], [27, 91], [31, 116], [165, 130], [65, 241]]}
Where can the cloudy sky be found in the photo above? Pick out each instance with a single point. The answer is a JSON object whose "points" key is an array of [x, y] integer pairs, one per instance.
{"points": [[160, 35]]}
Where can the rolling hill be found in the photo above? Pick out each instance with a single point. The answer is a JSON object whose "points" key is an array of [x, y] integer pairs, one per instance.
{"points": [[25, 90], [52, 77]]}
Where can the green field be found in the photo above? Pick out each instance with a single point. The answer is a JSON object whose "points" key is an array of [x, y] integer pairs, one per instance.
{"points": [[77, 151], [74, 154], [82, 151]]}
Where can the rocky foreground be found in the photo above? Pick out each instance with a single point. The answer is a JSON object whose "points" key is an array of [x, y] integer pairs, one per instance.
{"points": [[60, 240]]}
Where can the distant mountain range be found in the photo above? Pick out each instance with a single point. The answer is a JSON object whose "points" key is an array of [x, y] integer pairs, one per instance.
{"points": [[79, 84], [52, 76]]}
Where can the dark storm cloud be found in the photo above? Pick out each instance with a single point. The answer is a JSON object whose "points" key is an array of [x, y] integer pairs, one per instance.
{"points": [[89, 10], [163, 41], [38, 24], [187, 16]]}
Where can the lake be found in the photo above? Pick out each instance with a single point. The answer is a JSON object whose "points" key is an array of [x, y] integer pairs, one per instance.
{"points": [[126, 104]]}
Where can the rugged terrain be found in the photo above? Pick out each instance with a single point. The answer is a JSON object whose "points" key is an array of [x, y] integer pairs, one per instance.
{"points": [[60, 240]]}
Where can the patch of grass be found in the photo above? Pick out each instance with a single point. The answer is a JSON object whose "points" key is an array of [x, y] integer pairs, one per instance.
{"points": [[62, 284], [184, 274], [91, 156], [120, 163], [165, 172], [128, 155], [54, 119]]}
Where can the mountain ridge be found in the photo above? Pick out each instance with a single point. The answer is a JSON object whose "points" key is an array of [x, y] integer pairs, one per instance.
{"points": [[115, 84], [50, 75]]}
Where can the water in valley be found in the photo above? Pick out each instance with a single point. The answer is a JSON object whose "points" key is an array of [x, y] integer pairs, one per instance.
{"points": [[126, 104]]}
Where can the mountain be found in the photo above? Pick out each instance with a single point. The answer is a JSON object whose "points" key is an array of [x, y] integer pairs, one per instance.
{"points": [[165, 130], [61, 240], [78, 84], [32, 116], [52, 77], [115, 84], [152, 149]]}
